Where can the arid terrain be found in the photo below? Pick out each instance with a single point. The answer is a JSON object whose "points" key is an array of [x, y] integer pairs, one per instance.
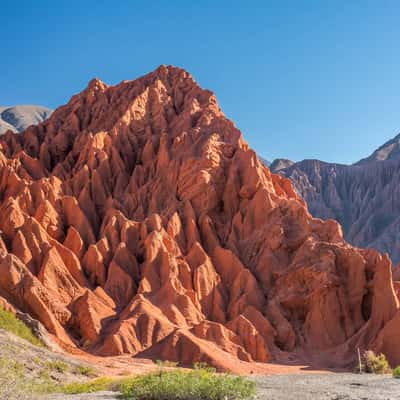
{"points": [[277, 383], [136, 221]]}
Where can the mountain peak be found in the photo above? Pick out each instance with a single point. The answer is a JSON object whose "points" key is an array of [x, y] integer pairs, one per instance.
{"points": [[388, 151], [96, 84]]}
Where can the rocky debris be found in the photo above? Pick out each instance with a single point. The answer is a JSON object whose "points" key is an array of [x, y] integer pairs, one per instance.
{"points": [[136, 220]]}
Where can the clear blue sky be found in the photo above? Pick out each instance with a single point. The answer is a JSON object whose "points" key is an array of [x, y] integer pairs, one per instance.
{"points": [[301, 79]]}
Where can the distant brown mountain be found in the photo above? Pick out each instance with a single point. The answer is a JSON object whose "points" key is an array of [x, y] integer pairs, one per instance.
{"points": [[363, 197]]}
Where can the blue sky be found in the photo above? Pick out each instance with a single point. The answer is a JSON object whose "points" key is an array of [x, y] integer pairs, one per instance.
{"points": [[301, 79]]}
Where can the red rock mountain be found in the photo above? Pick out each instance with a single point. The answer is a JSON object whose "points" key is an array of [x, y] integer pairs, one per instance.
{"points": [[136, 220]]}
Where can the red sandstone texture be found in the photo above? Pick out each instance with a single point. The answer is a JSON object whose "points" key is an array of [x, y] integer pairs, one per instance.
{"points": [[136, 220]]}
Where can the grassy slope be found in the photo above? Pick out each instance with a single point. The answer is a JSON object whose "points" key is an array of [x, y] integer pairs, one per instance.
{"points": [[27, 370], [11, 324]]}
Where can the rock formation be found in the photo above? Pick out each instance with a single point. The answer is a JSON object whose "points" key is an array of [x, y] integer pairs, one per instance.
{"points": [[18, 118], [364, 198], [136, 220]]}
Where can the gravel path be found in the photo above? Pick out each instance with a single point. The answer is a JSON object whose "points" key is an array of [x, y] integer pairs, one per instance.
{"points": [[339, 386]]}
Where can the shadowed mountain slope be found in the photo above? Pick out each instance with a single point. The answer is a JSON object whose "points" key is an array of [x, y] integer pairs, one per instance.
{"points": [[364, 198]]}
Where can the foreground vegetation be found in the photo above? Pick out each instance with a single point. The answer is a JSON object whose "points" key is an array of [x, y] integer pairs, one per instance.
{"points": [[375, 363], [10, 323], [179, 385], [198, 384], [38, 375]]}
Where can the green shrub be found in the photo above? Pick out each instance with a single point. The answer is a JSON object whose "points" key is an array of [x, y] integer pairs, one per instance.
{"points": [[85, 370], [180, 385], [375, 364], [57, 366], [10, 323], [396, 372]]}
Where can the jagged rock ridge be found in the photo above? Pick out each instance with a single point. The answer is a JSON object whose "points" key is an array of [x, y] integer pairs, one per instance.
{"points": [[364, 197], [136, 220]]}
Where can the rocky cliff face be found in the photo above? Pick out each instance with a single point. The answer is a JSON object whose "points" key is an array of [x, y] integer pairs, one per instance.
{"points": [[364, 198], [136, 220], [18, 118]]}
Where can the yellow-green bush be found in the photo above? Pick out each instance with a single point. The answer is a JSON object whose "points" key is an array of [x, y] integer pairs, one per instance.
{"points": [[375, 364], [85, 370], [57, 366]]}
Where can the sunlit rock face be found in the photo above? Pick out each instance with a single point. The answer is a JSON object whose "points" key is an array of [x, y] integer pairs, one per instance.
{"points": [[136, 220]]}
